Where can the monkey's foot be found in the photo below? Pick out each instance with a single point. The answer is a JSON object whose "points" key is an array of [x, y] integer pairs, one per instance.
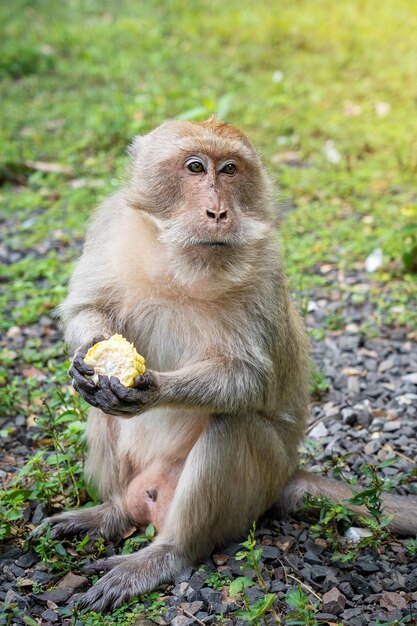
{"points": [[131, 575], [105, 520]]}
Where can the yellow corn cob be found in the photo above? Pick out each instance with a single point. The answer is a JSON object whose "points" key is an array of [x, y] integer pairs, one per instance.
{"points": [[115, 357]]}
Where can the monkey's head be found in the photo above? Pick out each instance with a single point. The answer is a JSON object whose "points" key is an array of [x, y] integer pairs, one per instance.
{"points": [[204, 187]]}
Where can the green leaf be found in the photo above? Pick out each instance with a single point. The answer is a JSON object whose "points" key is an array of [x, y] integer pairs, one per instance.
{"points": [[56, 459], [388, 463], [59, 548], [296, 598], [239, 585], [150, 531], [261, 606]]}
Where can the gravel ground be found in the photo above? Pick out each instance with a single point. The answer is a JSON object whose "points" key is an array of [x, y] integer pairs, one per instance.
{"points": [[369, 412]]}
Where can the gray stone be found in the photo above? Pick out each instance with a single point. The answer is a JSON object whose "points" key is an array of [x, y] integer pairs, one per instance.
{"points": [[50, 616], [333, 601], [182, 620], [198, 579], [27, 559], [211, 596], [58, 596]]}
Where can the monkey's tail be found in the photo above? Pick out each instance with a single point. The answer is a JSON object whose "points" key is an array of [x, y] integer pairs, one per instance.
{"points": [[402, 508]]}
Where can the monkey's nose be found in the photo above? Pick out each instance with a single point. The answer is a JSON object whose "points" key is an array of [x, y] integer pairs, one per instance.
{"points": [[217, 216]]}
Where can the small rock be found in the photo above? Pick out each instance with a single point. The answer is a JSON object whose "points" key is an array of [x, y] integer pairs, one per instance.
{"points": [[349, 416], [333, 601], [354, 534], [367, 565], [312, 557], [318, 431], [198, 579], [73, 582], [211, 596], [410, 378], [392, 601], [411, 581], [353, 385], [346, 589], [14, 598], [390, 427], [38, 514], [57, 596], [220, 559], [192, 607], [385, 365], [27, 559], [320, 572], [50, 616], [269, 553], [181, 620]]}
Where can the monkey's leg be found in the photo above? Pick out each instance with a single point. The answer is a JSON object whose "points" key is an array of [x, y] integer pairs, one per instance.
{"points": [[232, 475], [107, 520]]}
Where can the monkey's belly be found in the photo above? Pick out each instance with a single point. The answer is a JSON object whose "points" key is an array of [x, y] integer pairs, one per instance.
{"points": [[149, 494]]}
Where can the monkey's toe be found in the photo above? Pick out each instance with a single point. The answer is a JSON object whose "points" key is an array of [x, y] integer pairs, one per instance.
{"points": [[102, 565], [116, 587]]}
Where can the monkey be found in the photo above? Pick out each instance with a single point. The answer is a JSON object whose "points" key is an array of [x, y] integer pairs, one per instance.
{"points": [[184, 262]]}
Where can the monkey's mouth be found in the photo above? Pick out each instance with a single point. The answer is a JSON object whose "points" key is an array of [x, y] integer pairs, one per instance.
{"points": [[212, 244]]}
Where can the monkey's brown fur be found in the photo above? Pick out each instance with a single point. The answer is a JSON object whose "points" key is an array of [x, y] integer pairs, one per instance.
{"points": [[185, 265]]}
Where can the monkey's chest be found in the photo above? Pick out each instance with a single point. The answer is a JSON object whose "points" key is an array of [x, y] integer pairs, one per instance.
{"points": [[168, 337]]}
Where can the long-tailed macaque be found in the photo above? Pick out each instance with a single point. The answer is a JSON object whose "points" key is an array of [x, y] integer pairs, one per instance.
{"points": [[183, 262]]}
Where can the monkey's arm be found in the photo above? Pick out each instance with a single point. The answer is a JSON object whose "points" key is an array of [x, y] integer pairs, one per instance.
{"points": [[216, 384], [82, 326], [219, 384]]}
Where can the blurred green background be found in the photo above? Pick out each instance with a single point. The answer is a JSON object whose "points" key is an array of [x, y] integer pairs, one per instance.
{"points": [[327, 91]]}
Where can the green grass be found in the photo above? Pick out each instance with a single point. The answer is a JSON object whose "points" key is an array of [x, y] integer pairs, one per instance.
{"points": [[78, 79]]}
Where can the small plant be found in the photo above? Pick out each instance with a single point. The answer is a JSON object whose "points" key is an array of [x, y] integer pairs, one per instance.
{"points": [[303, 610], [146, 607], [217, 580], [333, 520], [318, 385], [409, 256], [256, 612], [335, 321], [54, 473], [411, 546], [134, 543], [371, 497]]}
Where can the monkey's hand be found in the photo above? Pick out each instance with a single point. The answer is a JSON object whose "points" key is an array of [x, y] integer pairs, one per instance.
{"points": [[109, 394]]}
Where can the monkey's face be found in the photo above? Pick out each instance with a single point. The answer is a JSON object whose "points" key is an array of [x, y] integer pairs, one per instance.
{"points": [[204, 186]]}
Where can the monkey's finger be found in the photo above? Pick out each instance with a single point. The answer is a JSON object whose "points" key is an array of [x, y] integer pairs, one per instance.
{"points": [[145, 381], [82, 381], [89, 397], [124, 393], [79, 363]]}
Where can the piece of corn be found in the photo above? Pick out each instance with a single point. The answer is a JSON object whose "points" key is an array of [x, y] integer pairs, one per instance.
{"points": [[115, 357]]}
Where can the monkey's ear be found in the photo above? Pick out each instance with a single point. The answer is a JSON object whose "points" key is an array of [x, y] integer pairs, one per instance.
{"points": [[134, 146]]}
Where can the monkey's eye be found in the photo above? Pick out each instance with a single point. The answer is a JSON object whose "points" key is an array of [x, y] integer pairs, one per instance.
{"points": [[229, 169], [196, 167]]}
